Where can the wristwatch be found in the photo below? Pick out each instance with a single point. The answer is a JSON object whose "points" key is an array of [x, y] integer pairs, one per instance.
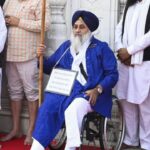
{"points": [[99, 89]]}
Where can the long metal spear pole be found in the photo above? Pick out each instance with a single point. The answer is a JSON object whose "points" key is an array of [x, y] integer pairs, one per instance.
{"points": [[41, 56]]}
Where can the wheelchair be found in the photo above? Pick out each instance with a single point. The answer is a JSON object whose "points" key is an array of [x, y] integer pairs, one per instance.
{"points": [[97, 132]]}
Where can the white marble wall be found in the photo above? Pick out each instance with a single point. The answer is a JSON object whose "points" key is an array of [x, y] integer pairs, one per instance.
{"points": [[58, 28]]}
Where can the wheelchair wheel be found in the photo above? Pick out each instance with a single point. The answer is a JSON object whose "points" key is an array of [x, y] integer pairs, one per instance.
{"points": [[59, 140], [92, 131], [102, 133], [114, 128]]}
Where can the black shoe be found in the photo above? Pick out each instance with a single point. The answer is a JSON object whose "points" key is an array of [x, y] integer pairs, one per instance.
{"points": [[125, 146]]}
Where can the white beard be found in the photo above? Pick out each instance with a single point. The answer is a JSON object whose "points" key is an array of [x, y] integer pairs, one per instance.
{"points": [[78, 40]]}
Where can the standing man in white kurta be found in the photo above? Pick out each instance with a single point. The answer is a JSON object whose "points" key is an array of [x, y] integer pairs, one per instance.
{"points": [[133, 89]]}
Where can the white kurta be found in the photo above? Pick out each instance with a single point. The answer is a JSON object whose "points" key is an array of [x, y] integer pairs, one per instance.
{"points": [[134, 82], [3, 33]]}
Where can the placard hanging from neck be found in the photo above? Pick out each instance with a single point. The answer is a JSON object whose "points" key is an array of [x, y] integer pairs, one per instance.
{"points": [[61, 81]]}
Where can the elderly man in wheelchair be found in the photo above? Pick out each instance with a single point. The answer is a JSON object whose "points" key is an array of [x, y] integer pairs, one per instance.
{"points": [[97, 74]]}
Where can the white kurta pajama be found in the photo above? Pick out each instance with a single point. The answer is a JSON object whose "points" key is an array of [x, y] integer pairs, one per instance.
{"points": [[134, 82]]}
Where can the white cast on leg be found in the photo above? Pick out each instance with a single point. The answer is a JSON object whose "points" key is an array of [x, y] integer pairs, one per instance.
{"points": [[36, 145], [73, 118]]}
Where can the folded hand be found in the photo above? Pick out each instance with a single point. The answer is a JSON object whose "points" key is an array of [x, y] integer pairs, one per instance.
{"points": [[123, 54]]}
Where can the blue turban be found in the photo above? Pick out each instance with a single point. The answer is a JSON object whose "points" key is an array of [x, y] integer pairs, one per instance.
{"points": [[89, 19]]}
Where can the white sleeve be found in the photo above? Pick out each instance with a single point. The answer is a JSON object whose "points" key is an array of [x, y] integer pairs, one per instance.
{"points": [[3, 30], [118, 36], [140, 44]]}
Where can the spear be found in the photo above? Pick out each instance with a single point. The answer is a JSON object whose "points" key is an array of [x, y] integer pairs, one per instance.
{"points": [[41, 56]]}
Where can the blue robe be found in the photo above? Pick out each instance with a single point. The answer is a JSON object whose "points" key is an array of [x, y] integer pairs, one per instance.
{"points": [[101, 69]]}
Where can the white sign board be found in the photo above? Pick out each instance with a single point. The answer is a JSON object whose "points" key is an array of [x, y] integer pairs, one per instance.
{"points": [[61, 81]]}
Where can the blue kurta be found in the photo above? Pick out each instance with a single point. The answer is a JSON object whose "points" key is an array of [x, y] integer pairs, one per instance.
{"points": [[101, 69]]}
